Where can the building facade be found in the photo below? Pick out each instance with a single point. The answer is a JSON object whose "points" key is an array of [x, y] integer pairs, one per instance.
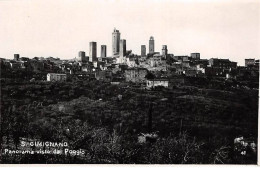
{"points": [[151, 45], [56, 77], [155, 61], [222, 63], [190, 73], [103, 51], [131, 62], [16, 57], [135, 75], [104, 76], [157, 82], [250, 61], [195, 56], [92, 51], [115, 42]]}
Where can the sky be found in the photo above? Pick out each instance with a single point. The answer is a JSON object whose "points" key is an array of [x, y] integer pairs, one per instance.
{"points": [[62, 28]]}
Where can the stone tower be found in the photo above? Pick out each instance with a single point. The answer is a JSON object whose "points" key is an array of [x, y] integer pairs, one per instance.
{"points": [[103, 51], [92, 51], [151, 45], [164, 51], [115, 42], [122, 48], [143, 50]]}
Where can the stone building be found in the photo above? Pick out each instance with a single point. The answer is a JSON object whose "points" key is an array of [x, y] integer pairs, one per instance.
{"points": [[249, 61], [16, 57], [222, 63], [104, 76], [135, 75], [56, 77], [151, 83], [195, 56]]}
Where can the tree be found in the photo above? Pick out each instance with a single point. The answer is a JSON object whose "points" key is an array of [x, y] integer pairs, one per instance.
{"points": [[149, 75]]}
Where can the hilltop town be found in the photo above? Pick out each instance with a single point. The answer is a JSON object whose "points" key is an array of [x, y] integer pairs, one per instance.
{"points": [[153, 108], [151, 68]]}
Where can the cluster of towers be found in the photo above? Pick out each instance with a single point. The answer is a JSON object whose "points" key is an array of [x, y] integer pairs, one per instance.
{"points": [[151, 48], [118, 45], [92, 52], [118, 48]]}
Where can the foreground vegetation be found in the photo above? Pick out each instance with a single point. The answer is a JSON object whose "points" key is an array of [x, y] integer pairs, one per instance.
{"points": [[196, 125]]}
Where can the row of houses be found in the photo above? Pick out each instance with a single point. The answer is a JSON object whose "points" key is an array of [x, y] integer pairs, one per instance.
{"points": [[107, 76], [134, 68], [27, 64]]}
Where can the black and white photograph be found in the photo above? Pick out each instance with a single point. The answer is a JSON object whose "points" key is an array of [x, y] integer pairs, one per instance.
{"points": [[129, 82]]}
